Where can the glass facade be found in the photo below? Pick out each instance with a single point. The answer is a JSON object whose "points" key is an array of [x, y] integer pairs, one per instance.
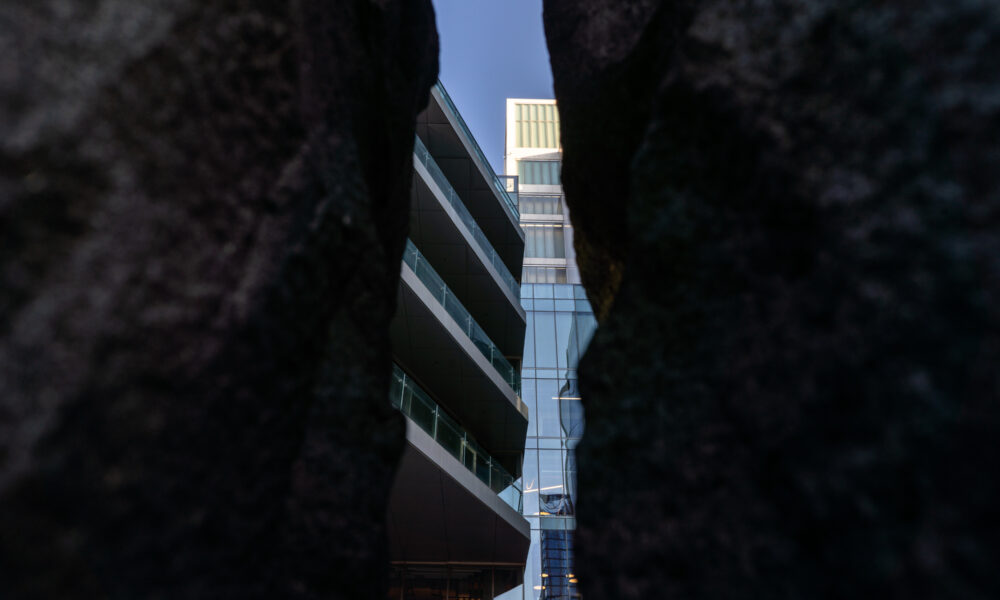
{"points": [[560, 325]]}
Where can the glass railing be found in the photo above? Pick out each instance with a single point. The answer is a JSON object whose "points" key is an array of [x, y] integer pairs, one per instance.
{"points": [[467, 133], [413, 402], [423, 156], [426, 273]]}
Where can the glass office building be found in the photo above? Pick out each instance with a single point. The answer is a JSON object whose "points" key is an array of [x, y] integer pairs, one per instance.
{"points": [[559, 325]]}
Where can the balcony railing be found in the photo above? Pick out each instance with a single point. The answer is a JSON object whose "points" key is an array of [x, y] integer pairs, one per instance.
{"points": [[433, 282], [465, 132], [423, 156], [413, 402]]}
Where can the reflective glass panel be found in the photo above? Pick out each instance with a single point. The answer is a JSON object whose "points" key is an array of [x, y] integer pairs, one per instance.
{"points": [[548, 408], [544, 304], [564, 328], [563, 291], [565, 305], [586, 325], [529, 479], [529, 399], [543, 291], [553, 497]]}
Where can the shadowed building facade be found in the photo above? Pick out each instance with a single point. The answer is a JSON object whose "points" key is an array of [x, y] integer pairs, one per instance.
{"points": [[454, 521]]}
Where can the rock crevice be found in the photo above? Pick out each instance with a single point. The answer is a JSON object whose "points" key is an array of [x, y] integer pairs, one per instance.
{"points": [[792, 390], [206, 207]]}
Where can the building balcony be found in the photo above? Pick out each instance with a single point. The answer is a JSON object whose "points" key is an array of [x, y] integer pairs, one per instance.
{"points": [[440, 513], [450, 502], [407, 397], [450, 238], [435, 338], [450, 141]]}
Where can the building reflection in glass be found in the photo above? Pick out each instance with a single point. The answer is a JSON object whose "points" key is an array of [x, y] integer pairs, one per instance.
{"points": [[560, 325]]}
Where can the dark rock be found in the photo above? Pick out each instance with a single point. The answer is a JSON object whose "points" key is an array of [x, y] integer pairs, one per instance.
{"points": [[794, 392], [202, 206]]}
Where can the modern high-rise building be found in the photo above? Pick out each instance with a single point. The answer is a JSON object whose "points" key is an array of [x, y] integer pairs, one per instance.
{"points": [[560, 323], [455, 525]]}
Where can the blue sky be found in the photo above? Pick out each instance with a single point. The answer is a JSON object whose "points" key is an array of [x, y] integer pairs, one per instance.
{"points": [[492, 50]]}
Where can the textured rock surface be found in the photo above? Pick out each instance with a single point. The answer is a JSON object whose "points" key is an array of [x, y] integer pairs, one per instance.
{"points": [[202, 208], [812, 232]]}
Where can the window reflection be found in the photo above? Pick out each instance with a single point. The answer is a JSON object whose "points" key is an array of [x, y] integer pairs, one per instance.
{"points": [[550, 475], [529, 479], [570, 409], [530, 401], [558, 339], [549, 422], [564, 328], [545, 340]]}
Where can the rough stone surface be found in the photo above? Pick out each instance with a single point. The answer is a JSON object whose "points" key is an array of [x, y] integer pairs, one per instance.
{"points": [[794, 391], [202, 208]]}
